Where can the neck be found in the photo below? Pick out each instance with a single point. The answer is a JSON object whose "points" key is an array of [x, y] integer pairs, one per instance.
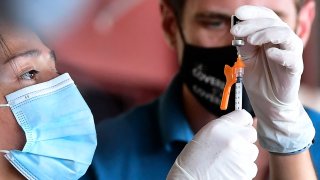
{"points": [[12, 137], [197, 116], [7, 171]]}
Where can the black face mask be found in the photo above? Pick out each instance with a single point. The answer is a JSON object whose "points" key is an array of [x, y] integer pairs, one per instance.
{"points": [[202, 70]]}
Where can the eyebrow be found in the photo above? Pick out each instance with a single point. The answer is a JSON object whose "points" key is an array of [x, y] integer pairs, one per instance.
{"points": [[211, 15], [31, 53]]}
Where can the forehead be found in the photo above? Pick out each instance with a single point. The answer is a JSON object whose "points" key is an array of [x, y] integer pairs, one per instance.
{"points": [[285, 7], [16, 40]]}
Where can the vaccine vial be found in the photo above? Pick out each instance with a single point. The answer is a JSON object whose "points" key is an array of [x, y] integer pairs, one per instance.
{"points": [[236, 41]]}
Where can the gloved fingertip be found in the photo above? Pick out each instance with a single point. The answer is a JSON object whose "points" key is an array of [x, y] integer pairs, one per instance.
{"points": [[251, 12], [254, 171], [241, 12], [245, 113], [251, 40], [235, 30], [239, 117], [257, 151], [274, 53], [256, 39]]}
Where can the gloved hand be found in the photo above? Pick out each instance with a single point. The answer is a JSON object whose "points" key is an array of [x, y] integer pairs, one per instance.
{"points": [[223, 149], [273, 58]]}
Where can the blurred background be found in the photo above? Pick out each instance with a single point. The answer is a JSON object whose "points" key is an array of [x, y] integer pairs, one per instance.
{"points": [[116, 52]]}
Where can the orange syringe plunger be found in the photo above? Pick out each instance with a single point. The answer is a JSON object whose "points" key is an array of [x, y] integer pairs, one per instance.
{"points": [[232, 74]]}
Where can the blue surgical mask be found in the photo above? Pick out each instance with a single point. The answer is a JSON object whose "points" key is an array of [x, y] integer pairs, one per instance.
{"points": [[59, 129]]}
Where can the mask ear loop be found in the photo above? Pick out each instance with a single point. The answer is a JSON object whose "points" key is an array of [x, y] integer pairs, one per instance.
{"points": [[4, 151], [4, 105]]}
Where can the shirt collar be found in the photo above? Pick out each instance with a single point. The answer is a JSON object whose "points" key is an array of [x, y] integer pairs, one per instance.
{"points": [[173, 123]]}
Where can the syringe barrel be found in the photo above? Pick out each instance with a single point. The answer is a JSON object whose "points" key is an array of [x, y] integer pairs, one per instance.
{"points": [[239, 72], [238, 95]]}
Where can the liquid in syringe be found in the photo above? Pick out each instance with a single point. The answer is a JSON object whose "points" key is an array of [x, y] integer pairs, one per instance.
{"points": [[239, 75]]}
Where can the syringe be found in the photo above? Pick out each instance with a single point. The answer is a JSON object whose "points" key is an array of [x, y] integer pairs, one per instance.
{"points": [[237, 42], [234, 74]]}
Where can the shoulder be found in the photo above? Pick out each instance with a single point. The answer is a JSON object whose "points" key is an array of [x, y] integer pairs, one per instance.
{"points": [[310, 96], [128, 129], [314, 149], [311, 111], [314, 116], [123, 141], [131, 119]]}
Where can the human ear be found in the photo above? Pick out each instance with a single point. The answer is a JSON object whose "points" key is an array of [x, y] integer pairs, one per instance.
{"points": [[169, 24], [305, 19]]}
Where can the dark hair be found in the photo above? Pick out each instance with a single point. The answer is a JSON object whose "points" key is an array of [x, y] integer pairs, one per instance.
{"points": [[4, 49], [299, 4], [178, 6], [4, 16]]}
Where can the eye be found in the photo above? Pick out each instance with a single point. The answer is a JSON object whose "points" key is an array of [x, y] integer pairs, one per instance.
{"points": [[29, 75], [215, 23]]}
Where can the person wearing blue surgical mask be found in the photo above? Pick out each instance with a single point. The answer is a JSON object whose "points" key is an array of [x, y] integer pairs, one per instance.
{"points": [[46, 128]]}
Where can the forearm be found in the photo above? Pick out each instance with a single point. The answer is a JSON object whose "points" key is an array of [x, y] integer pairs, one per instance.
{"points": [[292, 167]]}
